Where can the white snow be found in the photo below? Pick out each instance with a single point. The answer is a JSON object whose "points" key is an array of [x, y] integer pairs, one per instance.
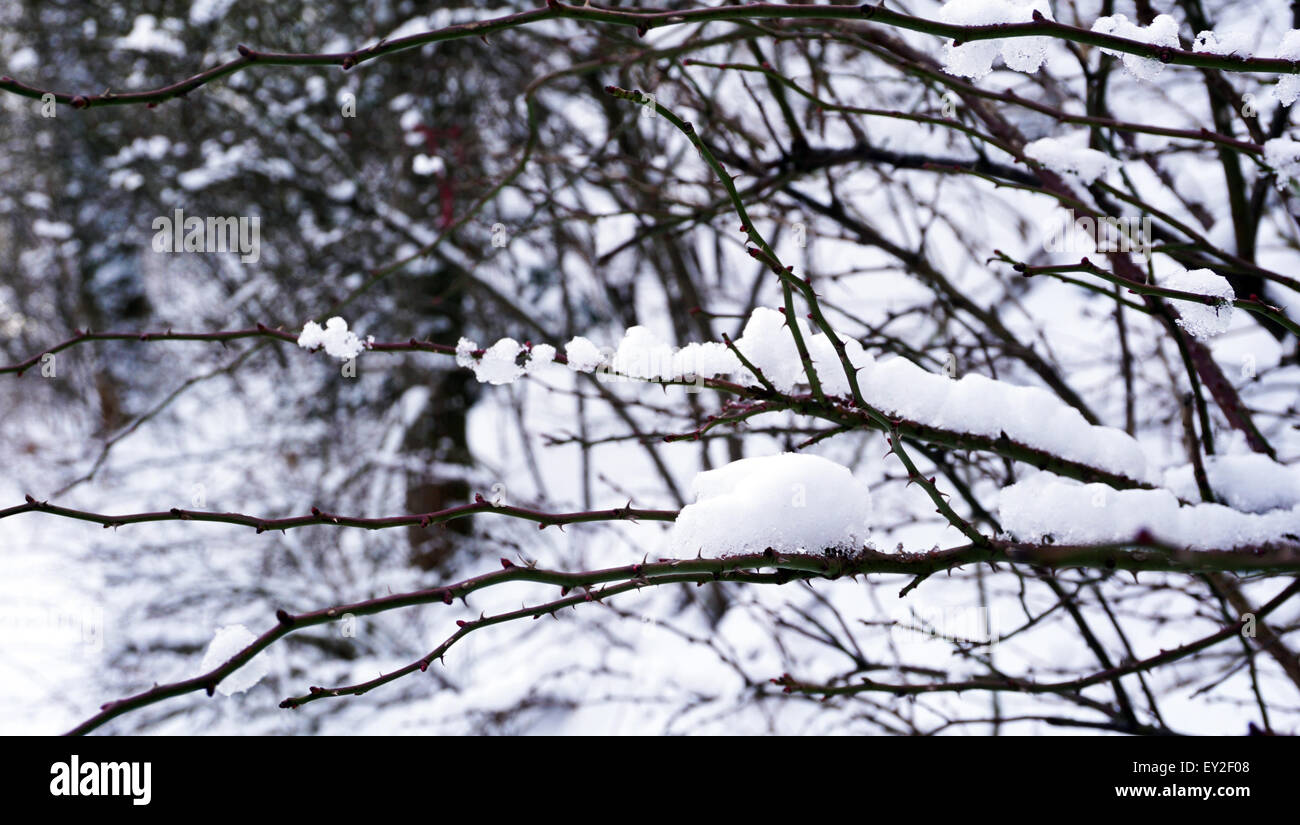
{"points": [[789, 502], [206, 11], [582, 355], [335, 337], [1163, 31], [642, 355], [539, 357], [766, 342], [1071, 513], [500, 363], [981, 406], [344, 190], [51, 229], [1202, 320], [145, 36], [465, 350], [426, 165], [707, 359], [974, 405], [1288, 85], [409, 120], [1070, 155], [1235, 41], [23, 59], [1283, 154], [974, 59], [1252, 482], [227, 642]]}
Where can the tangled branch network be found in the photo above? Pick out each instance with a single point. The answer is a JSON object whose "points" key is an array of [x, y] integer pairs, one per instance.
{"points": [[1082, 499]]}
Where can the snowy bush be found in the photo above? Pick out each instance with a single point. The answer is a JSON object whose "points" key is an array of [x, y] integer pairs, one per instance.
{"points": [[740, 358]]}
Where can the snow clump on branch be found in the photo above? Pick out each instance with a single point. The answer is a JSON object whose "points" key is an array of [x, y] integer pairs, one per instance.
{"points": [[1251, 482], [790, 503], [1046, 507], [334, 337], [226, 643], [1162, 32], [975, 58], [504, 361], [1288, 86], [1202, 321], [975, 405], [1070, 155], [1283, 155]]}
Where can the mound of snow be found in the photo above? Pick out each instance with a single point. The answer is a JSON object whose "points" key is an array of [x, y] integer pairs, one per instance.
{"points": [[1072, 513], [1252, 482], [789, 502], [335, 337]]}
